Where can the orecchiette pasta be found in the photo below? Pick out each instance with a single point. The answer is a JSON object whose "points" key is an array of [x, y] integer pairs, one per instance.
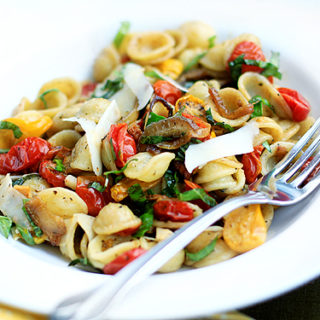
{"points": [[172, 123]]}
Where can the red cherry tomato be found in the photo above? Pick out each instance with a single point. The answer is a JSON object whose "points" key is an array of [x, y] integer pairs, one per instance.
{"points": [[298, 104], [48, 172], [252, 164], [251, 51], [167, 91], [27, 154], [88, 88], [313, 173], [173, 210], [128, 232], [191, 185], [121, 261], [94, 199], [123, 143]]}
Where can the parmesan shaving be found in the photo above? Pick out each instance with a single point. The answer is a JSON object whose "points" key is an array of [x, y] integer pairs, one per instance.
{"points": [[138, 83], [237, 142], [96, 132]]}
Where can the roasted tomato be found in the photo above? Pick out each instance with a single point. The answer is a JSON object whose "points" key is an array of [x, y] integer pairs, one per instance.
{"points": [[92, 191], [313, 173], [121, 261], [27, 154], [123, 143], [298, 104], [167, 91], [88, 88], [173, 210], [252, 164], [48, 170], [189, 185]]}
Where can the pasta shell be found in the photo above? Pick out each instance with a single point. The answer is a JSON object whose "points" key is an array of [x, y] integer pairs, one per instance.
{"points": [[197, 33], [268, 213], [188, 55], [114, 218], [104, 249], [65, 138], [54, 100], [107, 60], [150, 47], [278, 151], [214, 59], [80, 156], [145, 167], [180, 40], [290, 128], [70, 87], [93, 109], [254, 84], [79, 224], [200, 89]]}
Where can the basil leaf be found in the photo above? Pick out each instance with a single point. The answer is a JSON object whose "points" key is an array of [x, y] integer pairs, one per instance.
{"points": [[11, 126], [154, 139], [197, 256], [269, 69], [59, 165], [171, 179], [194, 61], [112, 150], [119, 178], [37, 231], [123, 30], [41, 97], [26, 235], [121, 170], [147, 221], [97, 186], [82, 261], [5, 226], [153, 74], [111, 87], [195, 194], [4, 151], [136, 194], [153, 117], [267, 145], [258, 103], [212, 41], [223, 125], [180, 156]]}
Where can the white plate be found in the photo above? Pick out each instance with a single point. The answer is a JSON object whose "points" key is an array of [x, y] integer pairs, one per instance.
{"points": [[42, 40]]}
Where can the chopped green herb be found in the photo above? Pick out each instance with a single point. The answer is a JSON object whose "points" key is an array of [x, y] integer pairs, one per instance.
{"points": [[154, 139], [121, 170], [41, 97], [4, 151], [59, 165], [123, 30], [82, 261], [97, 186], [11, 126], [37, 231], [171, 179], [195, 194], [258, 103], [26, 235], [197, 256], [112, 150], [111, 87], [136, 194], [119, 178], [180, 155], [269, 69], [194, 61], [153, 117], [267, 145], [212, 41], [5, 226], [153, 74], [147, 221]]}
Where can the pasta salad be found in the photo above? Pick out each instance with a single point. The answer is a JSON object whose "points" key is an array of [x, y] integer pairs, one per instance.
{"points": [[173, 123]]}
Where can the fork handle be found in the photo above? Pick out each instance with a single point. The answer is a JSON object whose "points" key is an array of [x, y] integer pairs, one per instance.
{"points": [[98, 302]]}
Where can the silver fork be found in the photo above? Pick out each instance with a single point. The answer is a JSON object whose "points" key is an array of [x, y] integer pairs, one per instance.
{"points": [[284, 185]]}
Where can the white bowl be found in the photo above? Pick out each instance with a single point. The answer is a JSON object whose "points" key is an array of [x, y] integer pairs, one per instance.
{"points": [[43, 40]]}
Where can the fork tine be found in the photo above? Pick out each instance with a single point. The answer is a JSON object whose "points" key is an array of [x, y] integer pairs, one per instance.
{"points": [[302, 160], [306, 172], [297, 148]]}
